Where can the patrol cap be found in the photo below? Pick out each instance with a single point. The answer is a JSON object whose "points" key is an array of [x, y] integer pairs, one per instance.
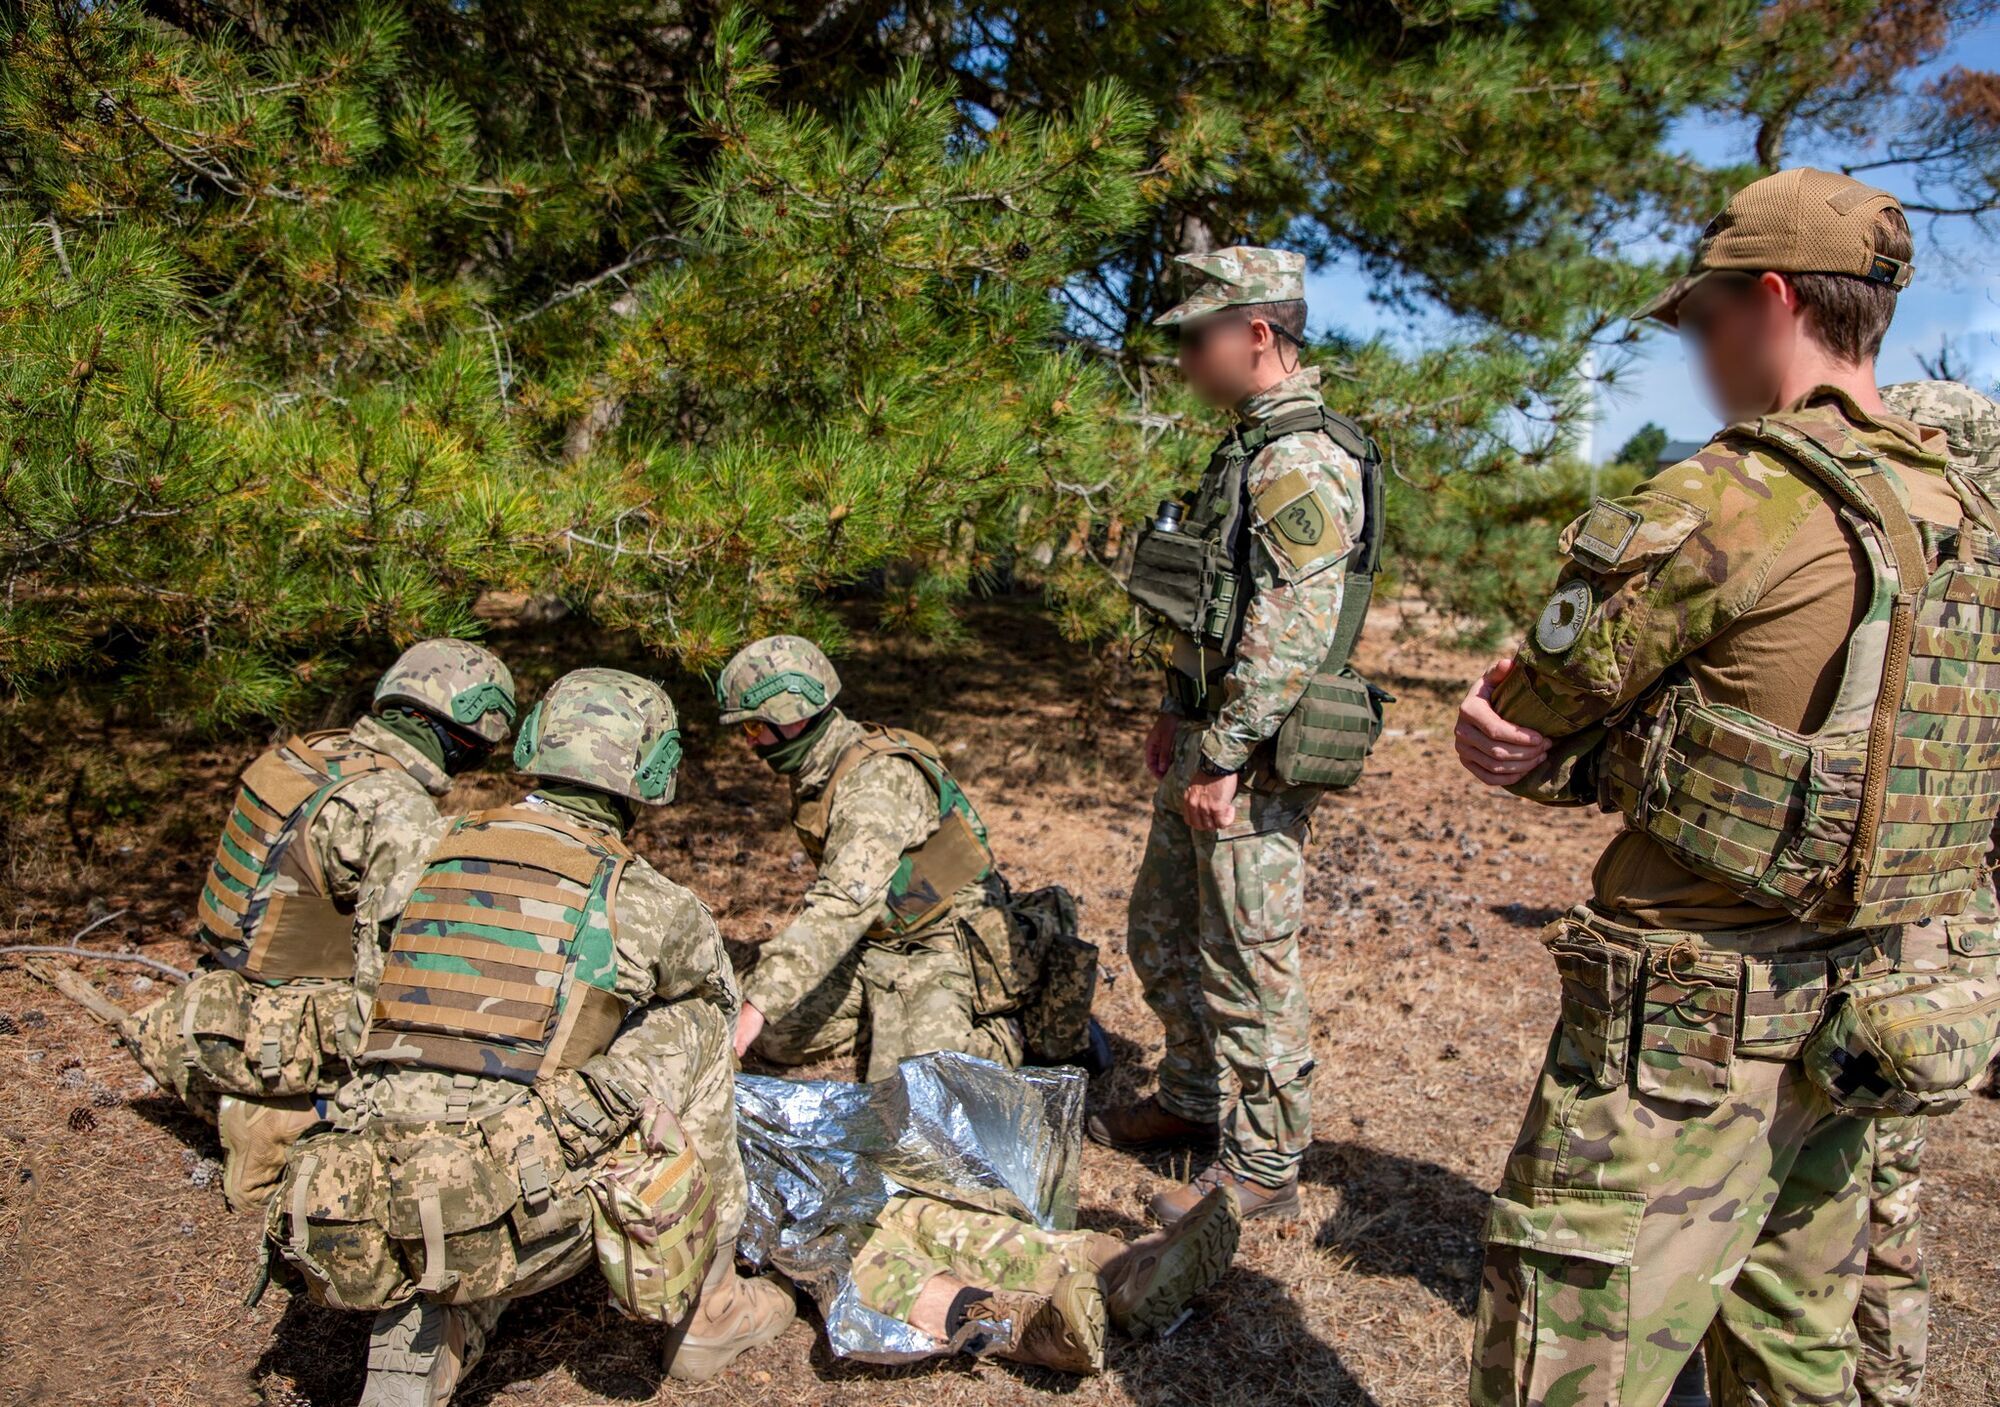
{"points": [[1239, 276], [1800, 221]]}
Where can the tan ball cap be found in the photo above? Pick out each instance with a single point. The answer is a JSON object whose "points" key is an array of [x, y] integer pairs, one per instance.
{"points": [[1801, 221]]}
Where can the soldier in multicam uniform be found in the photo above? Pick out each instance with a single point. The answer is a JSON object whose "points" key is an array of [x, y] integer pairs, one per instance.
{"points": [[1769, 658], [547, 1067], [323, 839], [984, 1284], [1216, 908], [909, 940]]}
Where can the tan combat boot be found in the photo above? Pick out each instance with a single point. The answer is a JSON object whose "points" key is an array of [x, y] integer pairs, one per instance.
{"points": [[733, 1316], [256, 1136], [418, 1352], [1148, 1286], [1063, 1329], [1253, 1199], [1147, 1124]]}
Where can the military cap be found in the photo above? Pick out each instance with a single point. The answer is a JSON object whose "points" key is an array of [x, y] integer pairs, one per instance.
{"points": [[1800, 221], [1237, 277]]}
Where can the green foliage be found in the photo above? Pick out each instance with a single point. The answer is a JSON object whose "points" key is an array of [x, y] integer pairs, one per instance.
{"points": [[1643, 448]]}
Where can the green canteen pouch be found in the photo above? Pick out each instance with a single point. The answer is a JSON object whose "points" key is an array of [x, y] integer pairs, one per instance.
{"points": [[1688, 1016], [328, 1221], [1329, 733], [652, 1219], [1906, 1042], [1600, 978]]}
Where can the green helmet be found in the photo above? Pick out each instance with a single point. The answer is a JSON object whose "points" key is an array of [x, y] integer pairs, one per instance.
{"points": [[605, 729], [778, 680], [456, 680]]}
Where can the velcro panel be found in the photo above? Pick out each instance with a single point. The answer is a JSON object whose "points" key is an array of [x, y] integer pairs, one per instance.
{"points": [[520, 847]]}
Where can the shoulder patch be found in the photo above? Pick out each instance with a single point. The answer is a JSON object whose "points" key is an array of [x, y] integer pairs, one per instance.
{"points": [[1303, 528], [1606, 531], [1562, 619]]}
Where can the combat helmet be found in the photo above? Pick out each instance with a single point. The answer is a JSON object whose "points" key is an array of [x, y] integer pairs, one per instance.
{"points": [[605, 729], [778, 680], [462, 683], [1970, 421]]}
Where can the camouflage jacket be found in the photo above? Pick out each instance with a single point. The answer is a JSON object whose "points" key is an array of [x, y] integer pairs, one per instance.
{"points": [[883, 808], [1690, 573], [1294, 608], [669, 952], [371, 838]]}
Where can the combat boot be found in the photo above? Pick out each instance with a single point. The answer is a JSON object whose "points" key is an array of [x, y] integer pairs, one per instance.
{"points": [[733, 1316], [1253, 1199], [1147, 1124], [256, 1136], [1150, 1283], [1063, 1329], [418, 1352]]}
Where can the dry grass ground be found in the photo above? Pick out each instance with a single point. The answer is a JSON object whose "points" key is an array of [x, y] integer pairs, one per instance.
{"points": [[122, 1275]]}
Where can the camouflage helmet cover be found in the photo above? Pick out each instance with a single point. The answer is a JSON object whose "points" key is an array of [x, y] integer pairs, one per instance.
{"points": [[1238, 277], [460, 682], [605, 729], [1970, 421], [778, 680]]}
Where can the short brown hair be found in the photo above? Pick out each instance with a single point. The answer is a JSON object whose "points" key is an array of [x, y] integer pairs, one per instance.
{"points": [[1289, 317], [1848, 314]]}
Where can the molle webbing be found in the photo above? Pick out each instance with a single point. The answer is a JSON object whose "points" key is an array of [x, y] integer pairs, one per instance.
{"points": [[1887, 814], [264, 909], [954, 855], [503, 962]]}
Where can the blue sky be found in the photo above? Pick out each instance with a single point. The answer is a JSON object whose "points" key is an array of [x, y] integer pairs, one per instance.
{"points": [[1956, 293]]}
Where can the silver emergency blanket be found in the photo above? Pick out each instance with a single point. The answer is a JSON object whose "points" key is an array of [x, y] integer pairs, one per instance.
{"points": [[823, 1157]]}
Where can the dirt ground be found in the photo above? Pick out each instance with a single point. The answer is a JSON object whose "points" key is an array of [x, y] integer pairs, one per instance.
{"points": [[122, 1275]]}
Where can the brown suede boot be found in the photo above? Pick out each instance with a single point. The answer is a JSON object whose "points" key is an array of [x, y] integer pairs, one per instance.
{"points": [[1253, 1199], [1147, 1288], [1147, 1124], [734, 1316], [1063, 1329]]}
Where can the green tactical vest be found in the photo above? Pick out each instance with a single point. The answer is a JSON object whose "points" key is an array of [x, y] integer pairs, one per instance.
{"points": [[952, 856], [264, 909], [1885, 814], [504, 963]]}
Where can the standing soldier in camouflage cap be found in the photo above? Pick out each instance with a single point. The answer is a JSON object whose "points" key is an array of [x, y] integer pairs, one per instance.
{"points": [[1262, 584], [322, 842], [908, 940], [546, 1070], [1776, 660]]}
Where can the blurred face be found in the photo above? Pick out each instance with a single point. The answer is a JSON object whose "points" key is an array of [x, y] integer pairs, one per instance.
{"points": [[764, 735], [1742, 332], [1221, 354]]}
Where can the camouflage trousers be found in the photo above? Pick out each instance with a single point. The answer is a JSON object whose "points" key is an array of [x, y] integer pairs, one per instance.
{"points": [[918, 1238], [1213, 933], [908, 998], [1893, 1316]]}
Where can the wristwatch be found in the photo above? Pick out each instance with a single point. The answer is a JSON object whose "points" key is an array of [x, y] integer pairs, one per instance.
{"points": [[1209, 769]]}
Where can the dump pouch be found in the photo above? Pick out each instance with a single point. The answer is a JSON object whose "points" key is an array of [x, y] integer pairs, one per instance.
{"points": [[1903, 1043], [1329, 733], [652, 1218]]}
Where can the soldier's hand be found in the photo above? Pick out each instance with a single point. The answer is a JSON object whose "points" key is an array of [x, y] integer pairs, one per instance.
{"points": [[1210, 802], [749, 1026], [1497, 752], [1160, 744]]}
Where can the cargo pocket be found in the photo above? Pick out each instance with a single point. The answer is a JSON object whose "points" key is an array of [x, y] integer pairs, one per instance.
{"points": [[1565, 1256], [1599, 985], [449, 1206], [327, 1221], [1687, 1036]]}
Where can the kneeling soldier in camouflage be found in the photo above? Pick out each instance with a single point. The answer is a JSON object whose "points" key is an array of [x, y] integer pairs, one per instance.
{"points": [[908, 941], [984, 1284], [324, 837], [547, 1068]]}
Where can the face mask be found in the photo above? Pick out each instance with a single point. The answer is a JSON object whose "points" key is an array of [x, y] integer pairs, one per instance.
{"points": [[787, 755]]}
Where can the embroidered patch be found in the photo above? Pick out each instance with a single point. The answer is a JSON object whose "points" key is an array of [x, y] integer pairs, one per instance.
{"points": [[1562, 619], [1606, 532], [1303, 521]]}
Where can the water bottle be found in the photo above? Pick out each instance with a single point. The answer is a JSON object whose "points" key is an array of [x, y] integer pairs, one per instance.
{"points": [[1168, 518]]}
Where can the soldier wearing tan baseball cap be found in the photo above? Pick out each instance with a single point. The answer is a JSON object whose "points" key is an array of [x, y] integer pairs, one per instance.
{"points": [[1801, 221]]}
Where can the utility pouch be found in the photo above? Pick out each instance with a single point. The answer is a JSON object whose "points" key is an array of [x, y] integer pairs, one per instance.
{"points": [[1004, 955], [1688, 1023], [1188, 581], [652, 1219], [1600, 978], [449, 1205], [1329, 733], [328, 1221], [1906, 1042], [1055, 1019], [256, 1041]]}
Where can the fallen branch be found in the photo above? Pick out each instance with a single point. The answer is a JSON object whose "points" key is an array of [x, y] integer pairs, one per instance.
{"points": [[82, 993], [72, 950]]}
